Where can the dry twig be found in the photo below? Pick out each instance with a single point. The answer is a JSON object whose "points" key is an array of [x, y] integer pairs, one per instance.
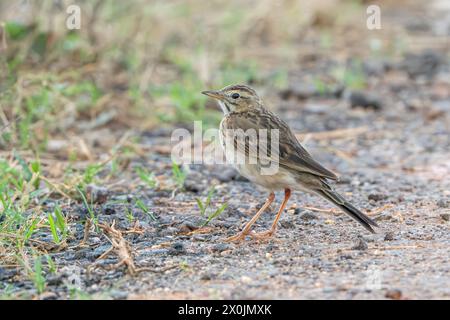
{"points": [[120, 246]]}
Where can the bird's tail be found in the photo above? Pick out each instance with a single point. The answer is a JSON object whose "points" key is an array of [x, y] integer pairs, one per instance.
{"points": [[348, 208]]}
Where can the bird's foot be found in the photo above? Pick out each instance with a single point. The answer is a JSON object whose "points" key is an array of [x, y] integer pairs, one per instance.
{"points": [[265, 235], [238, 237]]}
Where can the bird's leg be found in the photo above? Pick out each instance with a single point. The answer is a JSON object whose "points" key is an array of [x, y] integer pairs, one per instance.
{"points": [[267, 234], [241, 235]]}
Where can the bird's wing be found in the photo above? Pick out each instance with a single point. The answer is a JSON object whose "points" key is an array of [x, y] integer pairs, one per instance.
{"points": [[290, 154]]}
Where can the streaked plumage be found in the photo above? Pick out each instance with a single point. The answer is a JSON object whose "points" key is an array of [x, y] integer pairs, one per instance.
{"points": [[244, 110]]}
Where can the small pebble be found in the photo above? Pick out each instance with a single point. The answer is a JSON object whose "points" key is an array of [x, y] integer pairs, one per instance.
{"points": [[377, 196], [425, 64], [365, 100], [109, 210], [78, 213], [394, 294], [246, 280], [169, 231], [199, 237], [120, 295], [445, 216], [6, 273], [54, 280], [155, 252], [205, 277], [48, 296], [193, 182], [443, 203], [191, 185], [130, 198], [187, 226], [346, 257], [97, 252], [389, 236], [308, 215], [287, 224], [360, 245], [225, 175], [96, 194], [220, 247], [178, 248], [226, 253]]}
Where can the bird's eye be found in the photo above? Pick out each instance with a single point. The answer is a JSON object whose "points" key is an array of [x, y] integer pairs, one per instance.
{"points": [[235, 95]]}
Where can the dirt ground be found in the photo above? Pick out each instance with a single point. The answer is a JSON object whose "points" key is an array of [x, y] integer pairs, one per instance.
{"points": [[390, 144], [396, 170]]}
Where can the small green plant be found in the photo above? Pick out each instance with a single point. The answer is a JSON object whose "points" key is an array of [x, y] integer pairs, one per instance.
{"points": [[86, 93], [6, 291], [89, 207], [29, 228], [147, 177], [179, 176], [52, 225], [36, 275], [91, 172], [215, 214], [18, 193], [58, 225], [129, 214], [204, 206], [188, 104], [27, 174], [279, 79], [36, 107], [145, 209], [16, 31], [184, 265], [51, 264], [239, 73], [78, 294], [320, 86], [352, 77]]}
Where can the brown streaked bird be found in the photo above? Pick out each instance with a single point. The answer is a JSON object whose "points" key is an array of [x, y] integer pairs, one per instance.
{"points": [[297, 170]]}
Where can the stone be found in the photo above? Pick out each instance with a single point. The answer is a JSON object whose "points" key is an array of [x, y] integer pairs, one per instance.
{"points": [[360, 245], [96, 194], [364, 100], [394, 294], [443, 203], [377, 196], [389, 236]]}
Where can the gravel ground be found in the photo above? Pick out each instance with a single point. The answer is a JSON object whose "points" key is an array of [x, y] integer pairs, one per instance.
{"points": [[394, 164], [396, 169]]}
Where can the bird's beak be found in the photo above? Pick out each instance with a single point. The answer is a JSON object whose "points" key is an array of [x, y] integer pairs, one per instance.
{"points": [[213, 94]]}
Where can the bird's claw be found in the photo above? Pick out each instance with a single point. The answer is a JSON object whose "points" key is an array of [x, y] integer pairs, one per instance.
{"points": [[260, 236], [265, 235], [238, 237]]}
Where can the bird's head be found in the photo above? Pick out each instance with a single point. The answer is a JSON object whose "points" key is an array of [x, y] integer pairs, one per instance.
{"points": [[235, 98]]}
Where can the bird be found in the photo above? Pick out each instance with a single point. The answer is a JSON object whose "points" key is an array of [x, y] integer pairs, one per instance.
{"points": [[296, 170]]}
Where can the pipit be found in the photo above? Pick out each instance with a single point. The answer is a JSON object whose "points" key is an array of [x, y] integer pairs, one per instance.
{"points": [[296, 169]]}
